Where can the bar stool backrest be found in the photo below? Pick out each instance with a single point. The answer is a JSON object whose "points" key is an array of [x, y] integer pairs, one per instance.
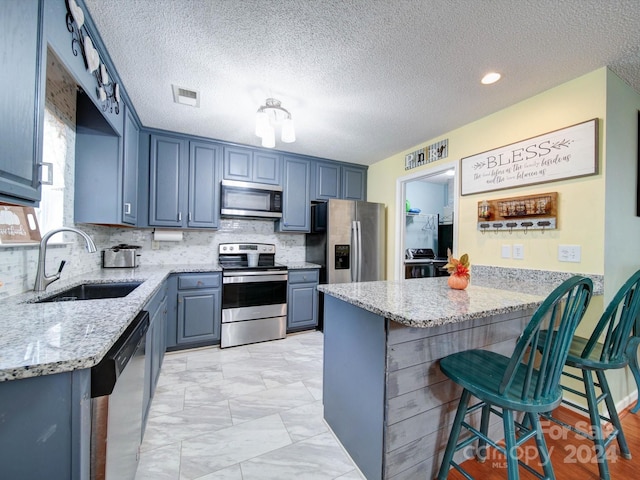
{"points": [[616, 322], [538, 377]]}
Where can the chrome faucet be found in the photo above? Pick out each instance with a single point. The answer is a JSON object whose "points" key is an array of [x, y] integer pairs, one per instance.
{"points": [[42, 280]]}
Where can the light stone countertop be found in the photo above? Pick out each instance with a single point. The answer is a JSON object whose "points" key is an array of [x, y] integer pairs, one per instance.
{"points": [[429, 302], [301, 265], [45, 338]]}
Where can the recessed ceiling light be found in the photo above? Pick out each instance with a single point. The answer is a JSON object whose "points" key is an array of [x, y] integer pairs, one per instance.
{"points": [[491, 77]]}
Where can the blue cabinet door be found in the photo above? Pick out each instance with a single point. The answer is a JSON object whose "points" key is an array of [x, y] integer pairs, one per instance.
{"points": [[302, 302], [354, 183], [21, 101], [237, 164], [296, 208], [249, 165], [266, 168], [204, 185], [167, 186], [130, 170], [326, 181], [199, 316]]}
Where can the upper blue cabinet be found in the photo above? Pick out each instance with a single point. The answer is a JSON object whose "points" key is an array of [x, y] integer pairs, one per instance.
{"points": [[335, 180], [250, 165], [21, 101], [184, 183]]}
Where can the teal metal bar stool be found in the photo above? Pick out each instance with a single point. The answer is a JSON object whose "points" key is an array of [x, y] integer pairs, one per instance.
{"points": [[526, 382], [609, 347]]}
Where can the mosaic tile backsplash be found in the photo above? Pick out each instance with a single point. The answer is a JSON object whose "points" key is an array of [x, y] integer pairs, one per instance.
{"points": [[18, 264]]}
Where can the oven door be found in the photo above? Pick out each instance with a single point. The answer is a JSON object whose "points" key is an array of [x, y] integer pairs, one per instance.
{"points": [[253, 294]]}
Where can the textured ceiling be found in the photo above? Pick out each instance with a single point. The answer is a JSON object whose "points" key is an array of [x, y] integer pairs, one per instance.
{"points": [[363, 79]]}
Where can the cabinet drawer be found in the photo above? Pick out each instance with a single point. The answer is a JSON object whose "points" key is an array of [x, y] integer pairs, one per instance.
{"points": [[303, 276], [198, 281]]}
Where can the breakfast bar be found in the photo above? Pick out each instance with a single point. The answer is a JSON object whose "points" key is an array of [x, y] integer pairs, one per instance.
{"points": [[384, 395]]}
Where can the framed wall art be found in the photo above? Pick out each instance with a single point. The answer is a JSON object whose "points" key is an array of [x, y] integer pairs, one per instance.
{"points": [[566, 153]]}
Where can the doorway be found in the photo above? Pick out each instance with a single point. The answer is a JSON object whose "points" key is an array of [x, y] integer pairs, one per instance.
{"points": [[426, 206]]}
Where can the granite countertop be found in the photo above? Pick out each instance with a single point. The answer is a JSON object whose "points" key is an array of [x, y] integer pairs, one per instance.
{"points": [[301, 265], [429, 302], [46, 338]]}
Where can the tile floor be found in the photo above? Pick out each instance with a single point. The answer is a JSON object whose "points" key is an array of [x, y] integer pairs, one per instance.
{"points": [[244, 413]]}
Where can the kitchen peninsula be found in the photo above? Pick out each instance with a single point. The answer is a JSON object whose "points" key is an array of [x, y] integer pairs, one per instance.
{"points": [[384, 395]]}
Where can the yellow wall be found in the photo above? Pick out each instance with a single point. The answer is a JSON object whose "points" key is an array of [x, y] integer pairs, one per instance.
{"points": [[581, 200]]}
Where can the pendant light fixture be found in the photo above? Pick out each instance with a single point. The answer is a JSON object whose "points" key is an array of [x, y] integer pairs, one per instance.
{"points": [[267, 117]]}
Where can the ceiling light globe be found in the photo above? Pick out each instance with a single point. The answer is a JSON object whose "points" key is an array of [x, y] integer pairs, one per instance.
{"points": [[262, 123], [288, 132], [269, 137]]}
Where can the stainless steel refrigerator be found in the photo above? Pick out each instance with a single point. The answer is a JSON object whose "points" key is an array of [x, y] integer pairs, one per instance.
{"points": [[348, 240]]}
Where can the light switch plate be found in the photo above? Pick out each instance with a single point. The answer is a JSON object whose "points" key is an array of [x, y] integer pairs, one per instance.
{"points": [[518, 252], [506, 251], [570, 253]]}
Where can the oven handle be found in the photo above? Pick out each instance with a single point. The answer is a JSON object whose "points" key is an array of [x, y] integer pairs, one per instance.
{"points": [[251, 277]]}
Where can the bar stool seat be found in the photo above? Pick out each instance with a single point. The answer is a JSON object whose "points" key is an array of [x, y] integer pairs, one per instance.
{"points": [[526, 382]]}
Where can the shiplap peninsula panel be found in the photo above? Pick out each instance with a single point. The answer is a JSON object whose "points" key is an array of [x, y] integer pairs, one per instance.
{"points": [[420, 401]]}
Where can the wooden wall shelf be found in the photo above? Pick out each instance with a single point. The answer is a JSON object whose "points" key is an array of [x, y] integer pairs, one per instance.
{"points": [[529, 212]]}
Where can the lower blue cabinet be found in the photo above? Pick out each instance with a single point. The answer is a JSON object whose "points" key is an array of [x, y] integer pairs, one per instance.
{"points": [[199, 309], [155, 347], [302, 300]]}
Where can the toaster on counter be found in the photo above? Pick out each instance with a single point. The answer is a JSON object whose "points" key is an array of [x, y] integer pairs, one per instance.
{"points": [[120, 256]]}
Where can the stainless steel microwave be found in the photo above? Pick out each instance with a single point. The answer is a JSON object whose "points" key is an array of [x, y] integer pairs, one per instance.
{"points": [[246, 199]]}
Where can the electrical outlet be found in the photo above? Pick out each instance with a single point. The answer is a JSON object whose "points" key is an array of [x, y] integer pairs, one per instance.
{"points": [[155, 245], [506, 251], [518, 252], [569, 253]]}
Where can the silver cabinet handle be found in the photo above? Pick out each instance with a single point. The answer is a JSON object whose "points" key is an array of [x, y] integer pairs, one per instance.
{"points": [[179, 216], [49, 167], [127, 209]]}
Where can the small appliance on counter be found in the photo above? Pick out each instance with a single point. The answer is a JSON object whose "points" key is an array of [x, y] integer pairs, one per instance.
{"points": [[121, 256]]}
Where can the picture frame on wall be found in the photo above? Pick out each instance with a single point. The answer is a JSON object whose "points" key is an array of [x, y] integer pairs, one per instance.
{"points": [[569, 152]]}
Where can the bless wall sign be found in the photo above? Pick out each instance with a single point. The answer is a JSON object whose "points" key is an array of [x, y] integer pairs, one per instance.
{"points": [[566, 153]]}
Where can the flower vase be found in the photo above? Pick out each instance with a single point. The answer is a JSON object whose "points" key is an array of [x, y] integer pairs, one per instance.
{"points": [[458, 282]]}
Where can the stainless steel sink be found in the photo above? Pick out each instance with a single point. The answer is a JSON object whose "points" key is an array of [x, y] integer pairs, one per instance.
{"points": [[93, 291]]}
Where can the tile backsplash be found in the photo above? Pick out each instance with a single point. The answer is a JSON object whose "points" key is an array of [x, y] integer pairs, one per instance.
{"points": [[18, 264]]}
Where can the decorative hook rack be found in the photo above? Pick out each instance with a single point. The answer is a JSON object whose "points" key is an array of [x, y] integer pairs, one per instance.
{"points": [[531, 212], [107, 91]]}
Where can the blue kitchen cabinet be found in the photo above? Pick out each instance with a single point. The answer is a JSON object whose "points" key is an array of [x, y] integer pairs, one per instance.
{"points": [[130, 169], [204, 185], [155, 347], [250, 165], [22, 84], [184, 183], [106, 168], [167, 181], [335, 180], [296, 205], [325, 181], [199, 309], [354, 183], [302, 300], [46, 426]]}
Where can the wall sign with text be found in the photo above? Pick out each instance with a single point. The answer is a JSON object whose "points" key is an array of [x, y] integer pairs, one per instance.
{"points": [[566, 153]]}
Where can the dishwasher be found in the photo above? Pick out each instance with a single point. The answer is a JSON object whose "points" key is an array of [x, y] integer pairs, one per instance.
{"points": [[117, 391]]}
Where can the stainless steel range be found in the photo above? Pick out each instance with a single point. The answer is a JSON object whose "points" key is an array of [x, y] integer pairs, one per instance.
{"points": [[254, 294]]}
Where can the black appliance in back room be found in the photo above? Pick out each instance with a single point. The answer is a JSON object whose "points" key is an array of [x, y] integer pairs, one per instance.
{"points": [[347, 240]]}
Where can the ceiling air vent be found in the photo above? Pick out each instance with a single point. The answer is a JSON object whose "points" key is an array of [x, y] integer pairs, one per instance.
{"points": [[185, 96]]}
